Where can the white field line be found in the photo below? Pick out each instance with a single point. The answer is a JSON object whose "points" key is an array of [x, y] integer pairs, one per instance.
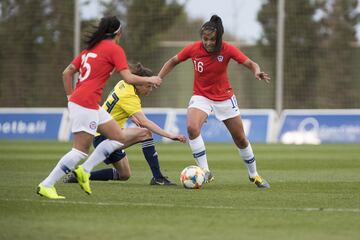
{"points": [[164, 205]]}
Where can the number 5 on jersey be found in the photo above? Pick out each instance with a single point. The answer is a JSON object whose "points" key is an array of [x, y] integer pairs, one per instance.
{"points": [[199, 66], [86, 65]]}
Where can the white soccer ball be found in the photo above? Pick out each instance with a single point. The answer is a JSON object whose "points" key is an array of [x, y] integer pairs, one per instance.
{"points": [[192, 177]]}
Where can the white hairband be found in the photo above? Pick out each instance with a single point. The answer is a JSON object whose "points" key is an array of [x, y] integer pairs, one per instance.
{"points": [[118, 30]]}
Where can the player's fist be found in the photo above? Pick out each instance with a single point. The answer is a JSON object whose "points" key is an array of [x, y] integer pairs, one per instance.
{"points": [[155, 80], [180, 138]]}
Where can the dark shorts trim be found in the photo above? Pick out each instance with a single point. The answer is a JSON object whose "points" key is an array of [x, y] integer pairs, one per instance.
{"points": [[115, 156]]}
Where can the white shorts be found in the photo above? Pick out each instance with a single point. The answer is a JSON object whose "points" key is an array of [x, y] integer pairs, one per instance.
{"points": [[222, 109], [86, 119]]}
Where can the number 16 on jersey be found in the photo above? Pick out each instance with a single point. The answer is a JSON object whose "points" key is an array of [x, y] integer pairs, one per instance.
{"points": [[198, 66]]}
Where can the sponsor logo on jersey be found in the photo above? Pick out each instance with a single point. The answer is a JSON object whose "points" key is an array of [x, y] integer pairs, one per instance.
{"points": [[220, 58]]}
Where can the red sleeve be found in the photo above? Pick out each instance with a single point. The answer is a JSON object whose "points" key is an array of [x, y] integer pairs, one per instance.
{"points": [[237, 55], [119, 59], [185, 53], [77, 61]]}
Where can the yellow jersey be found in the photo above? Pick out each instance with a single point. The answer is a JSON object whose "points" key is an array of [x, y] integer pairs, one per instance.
{"points": [[122, 102]]}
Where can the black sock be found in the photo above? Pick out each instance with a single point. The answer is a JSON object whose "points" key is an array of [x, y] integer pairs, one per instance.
{"points": [[104, 175], [151, 157]]}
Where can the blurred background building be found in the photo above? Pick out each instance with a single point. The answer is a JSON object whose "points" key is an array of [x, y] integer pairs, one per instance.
{"points": [[321, 54]]}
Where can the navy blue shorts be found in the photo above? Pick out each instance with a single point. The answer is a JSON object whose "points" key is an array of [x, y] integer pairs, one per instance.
{"points": [[115, 156]]}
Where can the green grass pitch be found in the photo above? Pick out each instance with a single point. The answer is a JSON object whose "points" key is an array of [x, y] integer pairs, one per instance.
{"points": [[315, 194]]}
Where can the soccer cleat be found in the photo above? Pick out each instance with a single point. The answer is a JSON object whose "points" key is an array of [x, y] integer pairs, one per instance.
{"points": [[162, 181], [259, 182], [82, 178], [49, 192], [209, 177], [70, 178]]}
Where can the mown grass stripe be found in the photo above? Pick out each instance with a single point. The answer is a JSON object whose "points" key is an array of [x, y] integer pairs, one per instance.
{"points": [[161, 205]]}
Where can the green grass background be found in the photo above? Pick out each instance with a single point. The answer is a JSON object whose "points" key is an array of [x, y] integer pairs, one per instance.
{"points": [[315, 194]]}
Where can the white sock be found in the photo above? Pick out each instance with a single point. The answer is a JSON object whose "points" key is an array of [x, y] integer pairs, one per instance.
{"points": [[101, 152], [66, 164], [197, 146], [249, 160]]}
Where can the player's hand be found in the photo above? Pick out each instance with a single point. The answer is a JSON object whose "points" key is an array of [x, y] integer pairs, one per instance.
{"points": [[180, 138], [155, 80], [262, 76]]}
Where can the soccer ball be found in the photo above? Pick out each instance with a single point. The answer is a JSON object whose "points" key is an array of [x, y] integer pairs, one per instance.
{"points": [[192, 177]]}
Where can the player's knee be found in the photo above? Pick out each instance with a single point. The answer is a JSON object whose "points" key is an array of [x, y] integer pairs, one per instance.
{"points": [[144, 134], [124, 176], [241, 142], [193, 131], [148, 134]]}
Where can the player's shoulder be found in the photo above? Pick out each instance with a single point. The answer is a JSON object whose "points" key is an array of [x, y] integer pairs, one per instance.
{"points": [[125, 89], [107, 42], [121, 85], [227, 46], [130, 89], [195, 48], [83, 51], [197, 45], [109, 45]]}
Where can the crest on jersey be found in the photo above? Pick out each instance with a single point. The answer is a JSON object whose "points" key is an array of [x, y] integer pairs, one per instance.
{"points": [[92, 125], [191, 102], [220, 58]]}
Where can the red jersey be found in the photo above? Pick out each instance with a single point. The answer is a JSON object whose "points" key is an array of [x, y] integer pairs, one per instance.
{"points": [[95, 66], [210, 71]]}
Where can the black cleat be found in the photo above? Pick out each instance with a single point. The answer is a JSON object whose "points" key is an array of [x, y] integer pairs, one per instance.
{"points": [[162, 181], [70, 178]]}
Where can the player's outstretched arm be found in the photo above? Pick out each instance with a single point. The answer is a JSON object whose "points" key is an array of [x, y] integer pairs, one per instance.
{"points": [[140, 119], [168, 66], [255, 69], [135, 79]]}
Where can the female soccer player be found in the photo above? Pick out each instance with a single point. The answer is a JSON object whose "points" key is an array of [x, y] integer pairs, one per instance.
{"points": [[123, 103], [95, 64], [212, 93]]}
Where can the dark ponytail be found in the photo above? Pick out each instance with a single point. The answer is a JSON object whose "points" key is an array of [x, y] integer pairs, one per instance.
{"points": [[140, 70], [107, 29], [214, 25]]}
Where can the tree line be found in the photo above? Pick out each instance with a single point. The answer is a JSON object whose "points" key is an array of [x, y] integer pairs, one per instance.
{"points": [[321, 53], [321, 56]]}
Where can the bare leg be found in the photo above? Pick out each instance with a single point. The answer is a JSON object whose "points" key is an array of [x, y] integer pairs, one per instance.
{"points": [[236, 129], [127, 136], [117, 139], [82, 141], [123, 169], [195, 119], [67, 163]]}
